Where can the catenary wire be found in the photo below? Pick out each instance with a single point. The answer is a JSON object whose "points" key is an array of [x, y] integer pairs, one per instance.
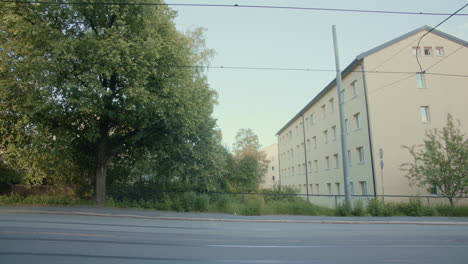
{"points": [[242, 6]]}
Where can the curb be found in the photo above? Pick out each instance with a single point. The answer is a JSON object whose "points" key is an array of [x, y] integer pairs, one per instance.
{"points": [[239, 220]]}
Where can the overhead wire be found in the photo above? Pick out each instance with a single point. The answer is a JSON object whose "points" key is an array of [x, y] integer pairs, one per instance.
{"points": [[443, 21], [238, 6]]}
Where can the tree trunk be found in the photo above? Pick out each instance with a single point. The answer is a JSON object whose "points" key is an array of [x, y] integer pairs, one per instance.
{"points": [[450, 200], [102, 159]]}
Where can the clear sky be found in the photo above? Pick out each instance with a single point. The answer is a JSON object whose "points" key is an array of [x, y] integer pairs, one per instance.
{"points": [[249, 37]]}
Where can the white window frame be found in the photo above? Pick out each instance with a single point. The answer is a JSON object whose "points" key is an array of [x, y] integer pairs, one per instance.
{"points": [[439, 51], [336, 159], [420, 80], [355, 88], [425, 114], [360, 155], [358, 121], [415, 51]]}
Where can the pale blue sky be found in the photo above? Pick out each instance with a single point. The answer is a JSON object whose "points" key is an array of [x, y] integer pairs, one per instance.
{"points": [[266, 100]]}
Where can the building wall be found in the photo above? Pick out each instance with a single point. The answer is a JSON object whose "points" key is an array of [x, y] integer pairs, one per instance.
{"points": [[271, 178], [395, 101], [323, 146]]}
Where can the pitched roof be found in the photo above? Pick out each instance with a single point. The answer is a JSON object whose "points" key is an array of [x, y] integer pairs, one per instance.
{"points": [[361, 56]]}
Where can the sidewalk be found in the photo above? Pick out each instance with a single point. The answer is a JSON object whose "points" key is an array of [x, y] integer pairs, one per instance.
{"points": [[162, 215]]}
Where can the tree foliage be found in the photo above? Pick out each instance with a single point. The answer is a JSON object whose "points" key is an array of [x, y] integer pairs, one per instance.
{"points": [[442, 161], [248, 164], [84, 86]]}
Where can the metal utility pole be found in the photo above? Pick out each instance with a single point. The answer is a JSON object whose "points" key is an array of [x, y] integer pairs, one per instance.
{"points": [[344, 144]]}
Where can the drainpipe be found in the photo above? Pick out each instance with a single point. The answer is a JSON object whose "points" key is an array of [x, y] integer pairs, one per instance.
{"points": [[279, 163], [369, 129], [305, 157]]}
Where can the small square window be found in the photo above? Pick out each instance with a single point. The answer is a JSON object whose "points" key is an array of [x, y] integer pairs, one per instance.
{"points": [[439, 51], [427, 51]]}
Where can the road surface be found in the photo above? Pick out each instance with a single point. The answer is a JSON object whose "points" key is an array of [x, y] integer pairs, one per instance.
{"points": [[61, 236]]}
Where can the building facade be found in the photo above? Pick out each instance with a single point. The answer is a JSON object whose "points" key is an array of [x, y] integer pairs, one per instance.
{"points": [[392, 94], [271, 178]]}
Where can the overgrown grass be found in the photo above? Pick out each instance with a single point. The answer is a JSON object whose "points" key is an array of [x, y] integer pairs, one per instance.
{"points": [[44, 200], [252, 205], [413, 208]]}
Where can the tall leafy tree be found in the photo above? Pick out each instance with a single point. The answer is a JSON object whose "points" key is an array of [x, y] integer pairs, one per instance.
{"points": [[99, 82], [248, 164], [441, 162]]}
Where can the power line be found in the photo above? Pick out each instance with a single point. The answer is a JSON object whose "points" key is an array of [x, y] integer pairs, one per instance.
{"points": [[299, 69], [444, 58], [244, 6], [443, 21]]}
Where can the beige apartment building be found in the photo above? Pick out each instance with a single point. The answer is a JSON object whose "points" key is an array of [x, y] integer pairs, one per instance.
{"points": [[271, 178], [390, 100]]}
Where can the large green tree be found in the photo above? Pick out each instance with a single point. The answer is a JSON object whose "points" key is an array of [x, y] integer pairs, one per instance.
{"points": [[441, 162], [247, 166], [91, 83]]}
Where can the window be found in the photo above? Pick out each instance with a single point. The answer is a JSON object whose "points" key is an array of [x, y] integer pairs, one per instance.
{"points": [[355, 88], [420, 80], [346, 126], [329, 188], [434, 190], [336, 161], [332, 108], [327, 162], [311, 187], [415, 51], [357, 120], [312, 120], [317, 188], [360, 154], [337, 186], [333, 132], [363, 187], [324, 110], [439, 51], [325, 135], [273, 168], [292, 169], [351, 187], [316, 165], [314, 141], [273, 178], [425, 117], [427, 51]]}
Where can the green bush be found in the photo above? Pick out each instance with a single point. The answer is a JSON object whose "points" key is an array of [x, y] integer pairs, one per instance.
{"points": [[202, 202]]}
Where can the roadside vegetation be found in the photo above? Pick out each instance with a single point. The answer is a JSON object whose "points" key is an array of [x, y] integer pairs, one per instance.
{"points": [[278, 203]]}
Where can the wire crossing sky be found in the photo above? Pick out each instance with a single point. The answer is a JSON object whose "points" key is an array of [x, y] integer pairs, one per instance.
{"points": [[275, 56], [237, 6]]}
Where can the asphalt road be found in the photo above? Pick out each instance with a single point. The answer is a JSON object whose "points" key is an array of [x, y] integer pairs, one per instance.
{"points": [[63, 237]]}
